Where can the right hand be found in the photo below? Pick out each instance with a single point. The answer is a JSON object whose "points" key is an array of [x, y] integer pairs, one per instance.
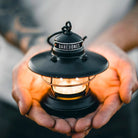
{"points": [[28, 91]]}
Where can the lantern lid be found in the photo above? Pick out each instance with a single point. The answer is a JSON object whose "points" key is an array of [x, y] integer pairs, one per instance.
{"points": [[68, 68], [67, 58]]}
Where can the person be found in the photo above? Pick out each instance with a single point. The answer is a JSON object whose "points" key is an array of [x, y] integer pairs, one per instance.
{"points": [[113, 88]]}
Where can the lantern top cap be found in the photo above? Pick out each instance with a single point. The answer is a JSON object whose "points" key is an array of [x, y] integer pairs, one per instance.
{"points": [[66, 38]]}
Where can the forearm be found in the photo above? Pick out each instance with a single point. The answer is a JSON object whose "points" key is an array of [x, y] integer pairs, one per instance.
{"points": [[124, 34], [18, 26]]}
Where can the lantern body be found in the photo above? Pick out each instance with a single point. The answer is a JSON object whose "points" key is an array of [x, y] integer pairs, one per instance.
{"points": [[69, 97], [68, 88], [68, 69]]}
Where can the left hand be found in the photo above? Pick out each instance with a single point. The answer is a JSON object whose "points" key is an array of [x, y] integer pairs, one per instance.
{"points": [[113, 87]]}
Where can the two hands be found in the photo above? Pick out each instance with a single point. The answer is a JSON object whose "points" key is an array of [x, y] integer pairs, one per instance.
{"points": [[112, 87]]}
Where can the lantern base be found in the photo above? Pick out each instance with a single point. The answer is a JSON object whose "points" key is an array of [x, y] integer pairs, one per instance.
{"points": [[70, 108]]}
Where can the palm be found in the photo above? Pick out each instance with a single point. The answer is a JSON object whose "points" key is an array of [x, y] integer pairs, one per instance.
{"points": [[105, 84], [32, 82]]}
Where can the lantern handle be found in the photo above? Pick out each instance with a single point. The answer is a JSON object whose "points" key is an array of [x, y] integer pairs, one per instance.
{"points": [[48, 39], [84, 38], [65, 29]]}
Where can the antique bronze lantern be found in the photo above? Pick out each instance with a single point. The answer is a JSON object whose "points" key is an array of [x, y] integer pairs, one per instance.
{"points": [[68, 68]]}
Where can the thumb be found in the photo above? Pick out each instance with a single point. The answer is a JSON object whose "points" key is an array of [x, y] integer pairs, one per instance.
{"points": [[129, 83], [23, 99]]}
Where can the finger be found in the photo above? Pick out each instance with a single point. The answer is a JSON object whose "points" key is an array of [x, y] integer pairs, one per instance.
{"points": [[67, 125], [55, 117], [62, 126], [23, 99], [81, 134], [129, 83], [38, 115], [78, 135], [71, 122], [110, 106], [85, 123]]}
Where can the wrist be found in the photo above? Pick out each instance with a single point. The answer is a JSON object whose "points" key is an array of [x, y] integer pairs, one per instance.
{"points": [[122, 35], [125, 33]]}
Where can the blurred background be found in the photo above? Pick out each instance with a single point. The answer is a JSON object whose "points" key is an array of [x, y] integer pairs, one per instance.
{"points": [[51, 17]]}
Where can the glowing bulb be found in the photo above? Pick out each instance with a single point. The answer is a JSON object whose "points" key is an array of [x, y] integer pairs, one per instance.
{"points": [[77, 78], [61, 79], [69, 86]]}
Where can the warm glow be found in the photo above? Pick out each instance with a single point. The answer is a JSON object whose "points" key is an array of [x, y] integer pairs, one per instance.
{"points": [[69, 90], [68, 86]]}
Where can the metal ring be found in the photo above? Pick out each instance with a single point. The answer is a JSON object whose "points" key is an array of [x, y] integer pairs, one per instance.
{"points": [[68, 85]]}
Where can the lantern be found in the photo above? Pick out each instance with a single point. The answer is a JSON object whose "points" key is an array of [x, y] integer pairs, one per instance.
{"points": [[68, 68]]}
